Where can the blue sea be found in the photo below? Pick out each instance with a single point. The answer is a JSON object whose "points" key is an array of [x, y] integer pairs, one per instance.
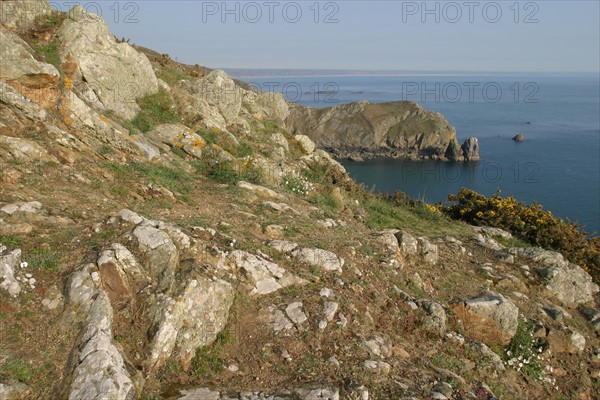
{"points": [[558, 164]]}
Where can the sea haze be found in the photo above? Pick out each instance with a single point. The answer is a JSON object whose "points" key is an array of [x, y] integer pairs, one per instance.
{"points": [[557, 166]]}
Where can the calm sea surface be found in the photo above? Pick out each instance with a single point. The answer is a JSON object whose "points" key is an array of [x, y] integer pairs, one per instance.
{"points": [[557, 166]]}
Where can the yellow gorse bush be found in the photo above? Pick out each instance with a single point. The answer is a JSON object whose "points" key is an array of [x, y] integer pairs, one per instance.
{"points": [[527, 222]]}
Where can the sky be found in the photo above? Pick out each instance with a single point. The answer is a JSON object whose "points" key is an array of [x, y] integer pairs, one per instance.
{"points": [[501, 36]]}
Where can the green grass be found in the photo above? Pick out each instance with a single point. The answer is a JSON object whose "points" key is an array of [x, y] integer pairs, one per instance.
{"points": [[382, 214], [155, 109], [172, 75], [179, 152], [326, 200], [451, 363], [49, 53], [207, 360], [104, 150], [45, 259], [210, 136], [52, 20], [17, 368], [512, 242], [317, 173], [265, 127], [11, 240], [243, 150], [172, 178], [224, 171]]}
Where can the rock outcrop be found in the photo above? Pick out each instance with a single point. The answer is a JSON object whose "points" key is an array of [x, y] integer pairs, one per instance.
{"points": [[568, 282], [110, 75], [32, 78], [217, 102], [97, 368], [471, 149], [489, 317], [20, 15], [364, 130]]}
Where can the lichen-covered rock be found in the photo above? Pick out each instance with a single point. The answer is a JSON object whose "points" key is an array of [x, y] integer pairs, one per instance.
{"points": [[429, 250], [21, 14], [568, 282], [377, 347], [178, 136], [214, 100], [280, 140], [116, 73], [541, 256], [490, 317], [435, 319], [30, 207], [100, 370], [8, 267], [200, 394], [278, 320], [329, 310], [283, 246], [408, 243], [10, 97], [377, 367], [388, 239], [101, 130], [267, 105], [119, 270], [565, 340], [97, 368], [34, 79], [319, 258], [160, 255], [487, 241], [490, 231], [188, 320], [261, 190], [304, 393], [307, 145], [21, 149], [14, 391], [264, 275], [130, 216], [295, 313]]}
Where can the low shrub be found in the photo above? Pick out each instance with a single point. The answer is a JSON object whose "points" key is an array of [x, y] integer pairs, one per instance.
{"points": [[215, 165], [155, 109], [530, 223]]}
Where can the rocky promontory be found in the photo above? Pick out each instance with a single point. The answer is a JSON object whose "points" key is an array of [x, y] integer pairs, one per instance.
{"points": [[363, 130]]}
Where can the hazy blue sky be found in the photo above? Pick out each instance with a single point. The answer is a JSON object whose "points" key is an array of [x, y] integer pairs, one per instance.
{"points": [[367, 34]]}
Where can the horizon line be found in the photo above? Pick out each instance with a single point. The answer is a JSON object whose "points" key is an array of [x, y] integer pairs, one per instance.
{"points": [[366, 72]]}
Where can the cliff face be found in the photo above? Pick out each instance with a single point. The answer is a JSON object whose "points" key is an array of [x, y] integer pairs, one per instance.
{"points": [[363, 130]]}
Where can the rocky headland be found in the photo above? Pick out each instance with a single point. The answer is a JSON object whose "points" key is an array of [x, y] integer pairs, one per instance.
{"points": [[395, 130]]}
